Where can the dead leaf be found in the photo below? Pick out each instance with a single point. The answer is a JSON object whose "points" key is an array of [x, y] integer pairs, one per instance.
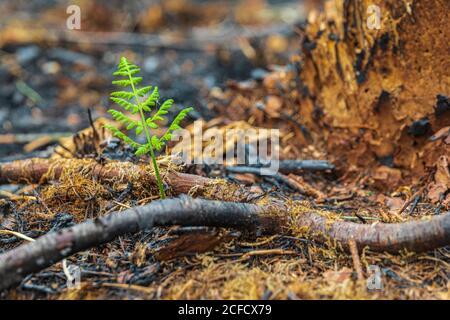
{"points": [[336, 277], [441, 182], [190, 244], [273, 106], [246, 178], [394, 204], [443, 133], [306, 187], [386, 178]]}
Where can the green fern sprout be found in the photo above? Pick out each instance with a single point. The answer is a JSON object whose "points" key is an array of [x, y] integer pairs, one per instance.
{"points": [[133, 101]]}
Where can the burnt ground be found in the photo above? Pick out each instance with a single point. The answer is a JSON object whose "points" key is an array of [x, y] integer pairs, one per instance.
{"points": [[48, 84]]}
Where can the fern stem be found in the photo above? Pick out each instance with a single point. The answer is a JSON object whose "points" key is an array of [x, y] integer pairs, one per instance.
{"points": [[149, 140]]}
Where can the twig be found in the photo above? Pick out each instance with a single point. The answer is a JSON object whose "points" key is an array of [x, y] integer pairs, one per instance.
{"points": [[281, 178], [414, 204], [409, 201], [264, 252], [124, 286], [438, 208], [17, 234], [355, 257], [288, 166], [309, 165]]}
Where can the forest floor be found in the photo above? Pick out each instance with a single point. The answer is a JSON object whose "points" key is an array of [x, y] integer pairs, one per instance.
{"points": [[220, 61]]}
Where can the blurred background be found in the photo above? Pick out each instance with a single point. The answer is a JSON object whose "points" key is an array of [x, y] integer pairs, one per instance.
{"points": [[51, 75]]}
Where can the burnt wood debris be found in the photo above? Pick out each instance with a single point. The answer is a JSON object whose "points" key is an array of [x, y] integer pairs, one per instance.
{"points": [[415, 236]]}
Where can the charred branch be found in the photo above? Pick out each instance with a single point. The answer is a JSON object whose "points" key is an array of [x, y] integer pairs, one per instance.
{"points": [[32, 257], [185, 211], [46, 170]]}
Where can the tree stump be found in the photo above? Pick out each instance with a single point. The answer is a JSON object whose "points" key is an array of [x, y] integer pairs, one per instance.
{"points": [[377, 92]]}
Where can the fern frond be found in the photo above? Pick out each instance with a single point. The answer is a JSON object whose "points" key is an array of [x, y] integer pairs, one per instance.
{"points": [[124, 63], [143, 91], [124, 99], [151, 124], [126, 104], [144, 149], [123, 94], [175, 124], [128, 66], [119, 134], [127, 83], [163, 110], [139, 129], [125, 72], [122, 83], [153, 98], [119, 116], [157, 143]]}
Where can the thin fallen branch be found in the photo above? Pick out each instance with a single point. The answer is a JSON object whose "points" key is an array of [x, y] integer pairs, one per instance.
{"points": [[45, 170], [39, 170], [410, 200], [415, 236], [287, 166], [292, 166], [257, 171], [185, 211], [356, 261]]}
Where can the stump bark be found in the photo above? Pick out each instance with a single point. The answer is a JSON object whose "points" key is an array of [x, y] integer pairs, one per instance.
{"points": [[376, 95]]}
